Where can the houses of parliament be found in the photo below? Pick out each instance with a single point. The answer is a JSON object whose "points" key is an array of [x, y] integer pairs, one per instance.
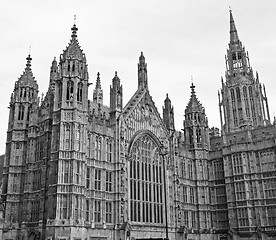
{"points": [[75, 169]]}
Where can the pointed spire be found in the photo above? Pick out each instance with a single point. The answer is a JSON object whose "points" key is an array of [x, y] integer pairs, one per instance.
{"points": [[234, 38], [98, 81], [194, 104], [98, 92]]}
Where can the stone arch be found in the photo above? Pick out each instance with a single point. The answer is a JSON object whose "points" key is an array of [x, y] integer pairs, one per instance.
{"points": [[146, 171], [139, 134], [34, 236]]}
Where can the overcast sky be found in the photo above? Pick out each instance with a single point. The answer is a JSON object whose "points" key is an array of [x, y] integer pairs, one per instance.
{"points": [[179, 38]]}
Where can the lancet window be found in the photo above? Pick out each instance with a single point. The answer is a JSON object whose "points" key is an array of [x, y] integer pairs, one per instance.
{"points": [[252, 105], [108, 150], [67, 136], [78, 138], [79, 92], [87, 211], [198, 135], [70, 90], [245, 95], [98, 148], [146, 182], [28, 113], [21, 112], [89, 146], [59, 91], [238, 94]]}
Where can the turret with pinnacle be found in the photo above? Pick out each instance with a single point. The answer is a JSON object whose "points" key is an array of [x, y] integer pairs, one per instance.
{"points": [[196, 123], [142, 73], [241, 94]]}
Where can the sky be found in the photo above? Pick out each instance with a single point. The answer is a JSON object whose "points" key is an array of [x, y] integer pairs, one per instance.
{"points": [[180, 39]]}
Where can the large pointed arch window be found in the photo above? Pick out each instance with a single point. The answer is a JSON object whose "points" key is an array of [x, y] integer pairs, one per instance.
{"points": [[146, 182]]}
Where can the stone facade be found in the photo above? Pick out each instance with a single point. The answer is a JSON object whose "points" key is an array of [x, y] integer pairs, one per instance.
{"points": [[77, 169]]}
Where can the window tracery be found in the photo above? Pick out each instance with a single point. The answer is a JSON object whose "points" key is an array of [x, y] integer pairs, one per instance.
{"points": [[146, 178]]}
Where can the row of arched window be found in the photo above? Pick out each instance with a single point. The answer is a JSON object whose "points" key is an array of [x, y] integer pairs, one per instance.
{"points": [[195, 116], [21, 112], [70, 91], [236, 100], [68, 137], [238, 93], [24, 92], [236, 56], [72, 67], [100, 148]]}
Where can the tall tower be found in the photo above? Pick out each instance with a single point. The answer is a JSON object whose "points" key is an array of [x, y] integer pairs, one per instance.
{"points": [[242, 96], [23, 98], [196, 123], [196, 132], [68, 150]]}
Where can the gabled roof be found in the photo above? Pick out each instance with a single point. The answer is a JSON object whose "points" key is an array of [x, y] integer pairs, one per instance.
{"points": [[143, 96]]}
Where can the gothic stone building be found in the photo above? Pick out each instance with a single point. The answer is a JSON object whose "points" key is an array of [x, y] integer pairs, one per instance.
{"points": [[77, 169]]}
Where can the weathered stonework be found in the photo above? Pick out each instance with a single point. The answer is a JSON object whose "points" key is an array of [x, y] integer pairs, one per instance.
{"points": [[77, 169]]}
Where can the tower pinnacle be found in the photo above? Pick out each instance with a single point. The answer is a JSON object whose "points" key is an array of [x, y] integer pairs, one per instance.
{"points": [[98, 81], [234, 38], [98, 92], [142, 72]]}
